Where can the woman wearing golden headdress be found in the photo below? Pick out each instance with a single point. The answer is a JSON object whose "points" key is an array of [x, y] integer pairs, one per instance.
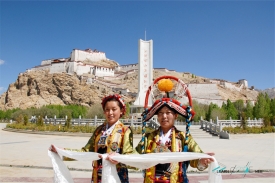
{"points": [[167, 138], [110, 137]]}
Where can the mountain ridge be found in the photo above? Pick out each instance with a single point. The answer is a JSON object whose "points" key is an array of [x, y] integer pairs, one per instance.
{"points": [[39, 88]]}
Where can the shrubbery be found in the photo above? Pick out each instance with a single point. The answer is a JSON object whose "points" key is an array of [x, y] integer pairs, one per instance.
{"points": [[254, 129], [60, 128]]}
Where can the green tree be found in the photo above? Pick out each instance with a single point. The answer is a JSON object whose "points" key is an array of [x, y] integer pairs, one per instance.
{"points": [[128, 110], [19, 118], [267, 106], [266, 121], [210, 109], [239, 106], [200, 111], [95, 110], [19, 114], [258, 110], [231, 111], [9, 112], [68, 122], [40, 121], [218, 112], [45, 111], [272, 111], [243, 121], [26, 120], [2, 114], [65, 112], [249, 110]]}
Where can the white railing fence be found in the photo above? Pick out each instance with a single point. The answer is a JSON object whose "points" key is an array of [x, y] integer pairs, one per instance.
{"points": [[215, 128], [153, 123]]}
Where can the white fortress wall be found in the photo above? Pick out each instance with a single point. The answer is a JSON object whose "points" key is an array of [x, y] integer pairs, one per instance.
{"points": [[71, 67], [126, 68], [204, 91], [58, 67], [102, 71], [41, 67], [231, 86], [80, 55], [215, 81], [120, 76], [161, 69], [208, 102], [82, 69], [46, 62]]}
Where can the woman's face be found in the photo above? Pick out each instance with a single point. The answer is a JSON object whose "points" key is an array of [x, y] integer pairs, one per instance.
{"points": [[112, 112], [166, 118]]}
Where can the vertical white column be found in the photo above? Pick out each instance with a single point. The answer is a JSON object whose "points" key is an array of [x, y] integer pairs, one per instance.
{"points": [[145, 62]]}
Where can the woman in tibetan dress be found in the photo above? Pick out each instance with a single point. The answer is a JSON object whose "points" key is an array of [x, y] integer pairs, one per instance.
{"points": [[110, 137], [167, 138]]}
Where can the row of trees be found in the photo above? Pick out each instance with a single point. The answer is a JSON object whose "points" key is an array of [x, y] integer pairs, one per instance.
{"points": [[52, 111], [263, 108]]}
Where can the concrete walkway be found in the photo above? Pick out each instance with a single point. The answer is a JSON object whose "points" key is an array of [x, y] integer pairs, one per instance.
{"points": [[23, 157]]}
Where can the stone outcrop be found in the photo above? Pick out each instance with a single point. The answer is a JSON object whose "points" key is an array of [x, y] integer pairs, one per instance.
{"points": [[39, 88]]}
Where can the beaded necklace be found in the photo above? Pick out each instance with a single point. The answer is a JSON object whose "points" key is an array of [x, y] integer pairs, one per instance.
{"points": [[105, 133]]}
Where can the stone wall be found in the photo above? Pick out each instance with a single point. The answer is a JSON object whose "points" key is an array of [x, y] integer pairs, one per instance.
{"points": [[81, 69], [83, 55], [58, 67], [126, 68], [205, 94]]}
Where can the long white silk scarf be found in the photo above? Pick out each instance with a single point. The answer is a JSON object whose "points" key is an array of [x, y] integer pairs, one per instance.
{"points": [[141, 161]]}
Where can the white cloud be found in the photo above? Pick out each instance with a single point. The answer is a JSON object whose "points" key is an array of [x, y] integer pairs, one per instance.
{"points": [[2, 62]]}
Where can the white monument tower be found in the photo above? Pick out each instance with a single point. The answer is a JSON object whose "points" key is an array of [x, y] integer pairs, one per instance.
{"points": [[145, 79]]}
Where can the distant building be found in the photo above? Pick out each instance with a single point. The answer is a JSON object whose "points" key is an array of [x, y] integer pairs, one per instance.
{"points": [[78, 63], [87, 55], [244, 83]]}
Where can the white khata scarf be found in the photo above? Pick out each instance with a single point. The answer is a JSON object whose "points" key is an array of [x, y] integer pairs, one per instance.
{"points": [[142, 161]]}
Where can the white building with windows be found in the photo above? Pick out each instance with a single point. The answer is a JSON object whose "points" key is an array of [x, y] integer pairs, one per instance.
{"points": [[78, 63]]}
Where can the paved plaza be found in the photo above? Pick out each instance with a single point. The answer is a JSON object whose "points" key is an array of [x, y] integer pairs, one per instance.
{"points": [[24, 158]]}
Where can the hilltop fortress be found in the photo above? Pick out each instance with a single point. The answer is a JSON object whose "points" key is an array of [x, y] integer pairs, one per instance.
{"points": [[87, 75], [88, 63], [80, 62]]}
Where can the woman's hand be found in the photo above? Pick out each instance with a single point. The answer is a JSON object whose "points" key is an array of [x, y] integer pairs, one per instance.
{"points": [[206, 161], [52, 148], [109, 157]]}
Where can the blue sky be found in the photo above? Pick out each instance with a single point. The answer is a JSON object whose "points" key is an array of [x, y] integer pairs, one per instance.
{"points": [[228, 40]]}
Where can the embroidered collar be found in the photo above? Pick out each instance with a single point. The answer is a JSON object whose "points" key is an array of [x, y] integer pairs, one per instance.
{"points": [[108, 130]]}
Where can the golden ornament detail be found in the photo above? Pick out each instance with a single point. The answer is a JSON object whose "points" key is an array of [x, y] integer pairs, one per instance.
{"points": [[165, 85]]}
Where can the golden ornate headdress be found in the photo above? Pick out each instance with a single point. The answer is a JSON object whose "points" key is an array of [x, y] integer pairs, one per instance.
{"points": [[167, 90]]}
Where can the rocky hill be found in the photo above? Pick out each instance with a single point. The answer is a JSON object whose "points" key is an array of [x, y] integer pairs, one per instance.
{"points": [[270, 92], [38, 88]]}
